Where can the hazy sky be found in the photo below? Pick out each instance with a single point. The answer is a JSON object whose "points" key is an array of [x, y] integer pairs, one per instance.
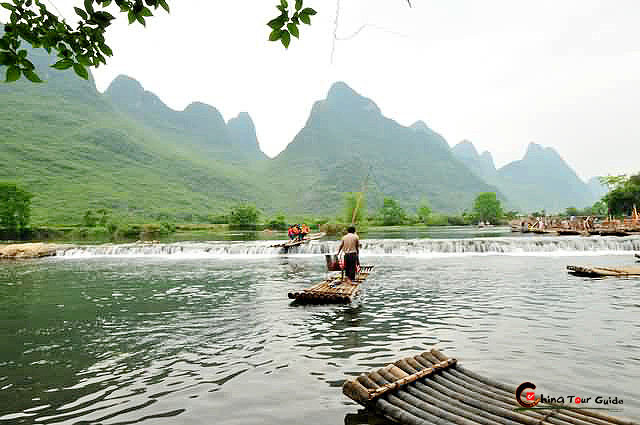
{"points": [[562, 73]]}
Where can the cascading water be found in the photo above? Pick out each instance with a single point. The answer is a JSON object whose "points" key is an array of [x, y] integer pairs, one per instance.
{"points": [[374, 247]]}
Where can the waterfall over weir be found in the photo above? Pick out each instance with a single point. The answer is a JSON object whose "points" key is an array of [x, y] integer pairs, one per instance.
{"points": [[552, 246]]}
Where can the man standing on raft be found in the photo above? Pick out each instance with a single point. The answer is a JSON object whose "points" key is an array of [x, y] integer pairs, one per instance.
{"points": [[350, 244]]}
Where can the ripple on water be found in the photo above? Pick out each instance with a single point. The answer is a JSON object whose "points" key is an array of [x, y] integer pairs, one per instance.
{"points": [[174, 340]]}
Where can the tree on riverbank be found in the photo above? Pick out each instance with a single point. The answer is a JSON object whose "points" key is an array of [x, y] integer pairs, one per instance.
{"points": [[487, 208], [244, 216], [424, 212], [391, 213], [624, 196], [15, 208]]}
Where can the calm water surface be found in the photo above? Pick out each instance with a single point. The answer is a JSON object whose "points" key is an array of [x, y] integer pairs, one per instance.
{"points": [[170, 339]]}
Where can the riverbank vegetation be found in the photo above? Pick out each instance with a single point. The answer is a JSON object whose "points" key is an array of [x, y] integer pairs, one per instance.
{"points": [[104, 224]]}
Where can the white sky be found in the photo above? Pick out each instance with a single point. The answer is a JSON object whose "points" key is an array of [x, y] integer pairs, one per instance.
{"points": [[501, 73]]}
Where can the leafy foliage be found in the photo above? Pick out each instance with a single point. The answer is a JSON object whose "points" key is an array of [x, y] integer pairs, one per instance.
{"points": [[277, 223], [487, 208], [391, 213], [85, 45], [77, 48], [625, 195], [15, 207], [244, 215], [286, 24], [424, 211]]}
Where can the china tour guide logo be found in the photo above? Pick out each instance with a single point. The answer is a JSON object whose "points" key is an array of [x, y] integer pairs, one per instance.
{"points": [[530, 395], [575, 402]]}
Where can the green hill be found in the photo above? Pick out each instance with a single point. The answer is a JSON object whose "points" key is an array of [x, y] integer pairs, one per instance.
{"points": [[73, 149], [346, 137]]}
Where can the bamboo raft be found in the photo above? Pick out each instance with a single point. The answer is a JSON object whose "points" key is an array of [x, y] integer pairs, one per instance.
{"points": [[431, 388], [334, 289], [603, 271], [290, 244]]}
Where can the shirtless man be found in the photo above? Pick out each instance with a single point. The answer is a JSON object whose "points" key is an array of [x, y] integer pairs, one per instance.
{"points": [[350, 244]]}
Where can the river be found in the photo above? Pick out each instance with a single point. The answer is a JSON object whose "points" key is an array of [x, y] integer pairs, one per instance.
{"points": [[203, 332]]}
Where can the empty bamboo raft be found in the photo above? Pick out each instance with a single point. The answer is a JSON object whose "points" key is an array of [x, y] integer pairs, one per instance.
{"points": [[333, 290], [603, 271], [431, 388]]}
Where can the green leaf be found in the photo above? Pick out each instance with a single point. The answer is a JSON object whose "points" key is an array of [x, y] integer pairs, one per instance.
{"points": [[146, 12], [81, 13], [308, 11], [286, 39], [132, 17], [8, 6], [106, 49], [81, 71], [305, 18], [88, 5], [276, 23], [298, 5], [275, 35], [141, 20], [31, 76], [7, 59], [22, 54], [164, 5], [4, 44], [63, 64], [293, 29], [13, 74], [106, 3], [284, 3], [84, 60]]}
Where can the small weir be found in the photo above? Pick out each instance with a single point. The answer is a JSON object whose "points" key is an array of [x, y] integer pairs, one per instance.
{"points": [[373, 247]]}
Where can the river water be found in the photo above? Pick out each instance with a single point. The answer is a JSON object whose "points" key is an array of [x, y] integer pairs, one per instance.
{"points": [[203, 332]]}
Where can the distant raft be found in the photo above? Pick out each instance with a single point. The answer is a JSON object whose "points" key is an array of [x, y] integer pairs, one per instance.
{"points": [[334, 289], [431, 388], [603, 271]]}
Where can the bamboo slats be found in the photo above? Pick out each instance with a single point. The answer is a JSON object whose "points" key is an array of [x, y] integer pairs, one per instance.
{"points": [[431, 388], [603, 271], [332, 290]]}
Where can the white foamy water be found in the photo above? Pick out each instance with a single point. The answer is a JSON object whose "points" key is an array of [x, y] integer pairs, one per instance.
{"points": [[420, 248]]}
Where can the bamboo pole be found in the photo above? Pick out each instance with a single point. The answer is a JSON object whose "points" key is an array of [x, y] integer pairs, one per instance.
{"points": [[436, 398], [427, 412], [398, 415]]}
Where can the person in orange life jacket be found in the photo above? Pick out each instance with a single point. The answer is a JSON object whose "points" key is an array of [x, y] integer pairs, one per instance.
{"points": [[291, 234], [350, 244], [304, 231], [296, 232]]}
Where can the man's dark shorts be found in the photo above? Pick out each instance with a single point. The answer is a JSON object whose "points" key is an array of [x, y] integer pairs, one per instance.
{"points": [[350, 262]]}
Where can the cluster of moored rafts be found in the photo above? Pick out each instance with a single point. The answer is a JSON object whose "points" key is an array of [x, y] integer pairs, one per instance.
{"points": [[334, 289], [431, 388]]}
